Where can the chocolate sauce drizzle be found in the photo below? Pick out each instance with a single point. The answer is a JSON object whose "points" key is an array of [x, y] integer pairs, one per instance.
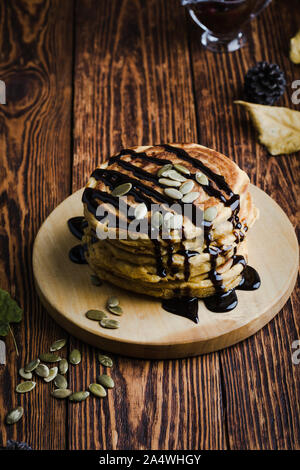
{"points": [[76, 226], [222, 300]]}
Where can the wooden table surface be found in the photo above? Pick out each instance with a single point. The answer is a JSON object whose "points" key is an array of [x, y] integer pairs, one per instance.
{"points": [[84, 79]]}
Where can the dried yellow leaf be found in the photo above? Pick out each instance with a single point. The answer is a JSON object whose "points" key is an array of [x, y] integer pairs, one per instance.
{"points": [[278, 128], [295, 48]]}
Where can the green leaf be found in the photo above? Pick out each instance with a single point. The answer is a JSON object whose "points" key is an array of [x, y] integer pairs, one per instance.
{"points": [[10, 312]]}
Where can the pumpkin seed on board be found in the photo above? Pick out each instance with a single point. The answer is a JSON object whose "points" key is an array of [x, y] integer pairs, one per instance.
{"points": [[96, 280], [32, 365], [182, 169], [210, 213], [61, 393], [169, 182], [14, 415], [95, 315], [79, 396], [173, 193], [105, 360], [97, 390], [63, 366], [110, 323], [75, 357], [25, 387], [106, 381], [49, 357], [190, 197], [164, 168], [58, 344], [42, 371], [25, 375], [112, 301], [60, 381], [201, 178], [122, 189], [186, 187], [116, 310], [140, 211], [52, 374]]}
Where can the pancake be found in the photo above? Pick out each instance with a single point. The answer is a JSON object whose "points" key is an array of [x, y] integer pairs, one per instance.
{"points": [[200, 248]]}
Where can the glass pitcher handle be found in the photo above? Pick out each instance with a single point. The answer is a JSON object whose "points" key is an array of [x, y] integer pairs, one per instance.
{"points": [[260, 9]]}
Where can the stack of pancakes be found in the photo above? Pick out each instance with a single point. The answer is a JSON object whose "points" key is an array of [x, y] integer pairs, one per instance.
{"points": [[195, 255]]}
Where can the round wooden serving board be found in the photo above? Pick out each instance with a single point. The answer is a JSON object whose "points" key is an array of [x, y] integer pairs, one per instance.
{"points": [[148, 331]]}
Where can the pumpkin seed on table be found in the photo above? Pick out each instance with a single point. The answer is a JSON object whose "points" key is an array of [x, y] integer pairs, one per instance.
{"points": [[50, 357], [14, 415], [52, 374], [95, 315], [201, 178], [106, 381], [122, 189], [140, 211], [79, 396], [169, 182], [42, 371], [58, 344], [173, 193], [112, 301], [210, 213], [25, 375], [109, 323], [182, 169], [190, 197], [63, 366], [116, 310], [174, 175], [75, 357], [96, 280], [105, 360], [25, 387], [61, 393], [98, 390], [164, 168], [186, 187], [32, 365], [60, 381]]}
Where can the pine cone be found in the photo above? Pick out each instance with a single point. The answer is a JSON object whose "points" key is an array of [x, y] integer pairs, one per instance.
{"points": [[264, 83]]}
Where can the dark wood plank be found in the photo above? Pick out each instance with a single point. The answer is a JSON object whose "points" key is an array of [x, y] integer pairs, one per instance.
{"points": [[133, 86], [260, 382], [36, 65]]}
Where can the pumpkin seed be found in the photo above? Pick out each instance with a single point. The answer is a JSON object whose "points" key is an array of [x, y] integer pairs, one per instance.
{"points": [[105, 360], [201, 178], [210, 213], [63, 366], [25, 387], [122, 189], [61, 392], [50, 357], [96, 315], [60, 381], [79, 396], [169, 182], [106, 381], [116, 310], [176, 221], [140, 211], [42, 371], [14, 415], [75, 357], [182, 169], [156, 219], [174, 175], [112, 301], [58, 344], [32, 365], [164, 168], [52, 374], [24, 374], [186, 187], [96, 280], [173, 193], [190, 197], [109, 323], [97, 390]]}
